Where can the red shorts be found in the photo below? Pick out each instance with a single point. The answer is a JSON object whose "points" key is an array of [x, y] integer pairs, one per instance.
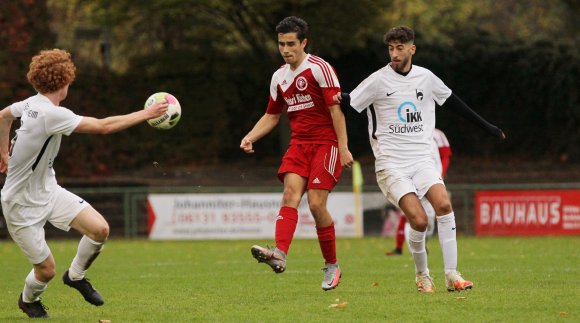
{"points": [[318, 163]]}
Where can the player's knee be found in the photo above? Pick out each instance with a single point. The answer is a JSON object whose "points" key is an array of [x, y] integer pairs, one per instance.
{"points": [[101, 233], [290, 198], [46, 271], [419, 224], [443, 208], [317, 207]]}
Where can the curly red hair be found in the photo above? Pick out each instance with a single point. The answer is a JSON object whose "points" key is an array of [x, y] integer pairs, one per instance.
{"points": [[51, 70]]}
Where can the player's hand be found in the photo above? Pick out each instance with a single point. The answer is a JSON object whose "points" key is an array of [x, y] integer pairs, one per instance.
{"points": [[247, 145], [343, 99], [158, 109], [500, 134], [3, 163], [346, 159]]}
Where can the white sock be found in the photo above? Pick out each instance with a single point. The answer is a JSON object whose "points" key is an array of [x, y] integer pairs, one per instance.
{"points": [[87, 252], [447, 239], [416, 242], [32, 288]]}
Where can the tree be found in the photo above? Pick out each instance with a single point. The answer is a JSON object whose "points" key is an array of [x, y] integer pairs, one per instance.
{"points": [[24, 30]]}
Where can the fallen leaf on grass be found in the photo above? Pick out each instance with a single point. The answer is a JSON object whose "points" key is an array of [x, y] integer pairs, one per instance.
{"points": [[338, 305], [375, 283], [562, 314]]}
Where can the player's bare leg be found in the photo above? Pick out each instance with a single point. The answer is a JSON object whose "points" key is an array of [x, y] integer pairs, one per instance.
{"points": [[447, 232], [417, 217], [95, 230]]}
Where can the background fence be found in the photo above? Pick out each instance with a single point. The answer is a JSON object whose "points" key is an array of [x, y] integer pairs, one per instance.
{"points": [[126, 211]]}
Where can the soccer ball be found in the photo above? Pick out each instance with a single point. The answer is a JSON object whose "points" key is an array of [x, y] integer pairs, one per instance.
{"points": [[171, 117]]}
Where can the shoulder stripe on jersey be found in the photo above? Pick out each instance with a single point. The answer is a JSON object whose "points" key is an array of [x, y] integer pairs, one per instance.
{"points": [[41, 153], [374, 119], [325, 69]]}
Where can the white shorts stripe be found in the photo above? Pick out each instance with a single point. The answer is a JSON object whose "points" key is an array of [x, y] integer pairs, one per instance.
{"points": [[332, 161]]}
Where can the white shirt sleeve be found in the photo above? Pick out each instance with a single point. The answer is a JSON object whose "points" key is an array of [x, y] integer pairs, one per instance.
{"points": [[17, 108], [364, 94], [274, 87], [440, 91], [62, 121]]}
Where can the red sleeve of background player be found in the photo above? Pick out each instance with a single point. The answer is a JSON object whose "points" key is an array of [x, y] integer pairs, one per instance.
{"points": [[329, 93], [445, 155]]}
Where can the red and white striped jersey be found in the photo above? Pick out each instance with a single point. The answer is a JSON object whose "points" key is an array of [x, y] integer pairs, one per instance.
{"points": [[306, 95]]}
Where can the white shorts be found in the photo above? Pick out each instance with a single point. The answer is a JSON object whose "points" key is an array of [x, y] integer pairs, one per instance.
{"points": [[418, 178], [26, 224]]}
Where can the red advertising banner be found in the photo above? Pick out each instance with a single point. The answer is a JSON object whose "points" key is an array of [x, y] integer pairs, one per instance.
{"points": [[527, 212]]}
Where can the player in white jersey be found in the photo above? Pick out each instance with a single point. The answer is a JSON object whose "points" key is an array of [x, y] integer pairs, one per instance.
{"points": [[31, 195], [400, 101], [441, 154]]}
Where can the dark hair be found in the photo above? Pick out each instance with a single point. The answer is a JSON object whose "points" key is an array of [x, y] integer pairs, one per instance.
{"points": [[293, 24], [402, 34]]}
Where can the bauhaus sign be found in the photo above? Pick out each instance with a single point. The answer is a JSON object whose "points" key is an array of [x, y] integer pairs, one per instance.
{"points": [[527, 212]]}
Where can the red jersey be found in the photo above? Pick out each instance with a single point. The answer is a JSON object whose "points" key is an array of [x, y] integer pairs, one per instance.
{"points": [[306, 94]]}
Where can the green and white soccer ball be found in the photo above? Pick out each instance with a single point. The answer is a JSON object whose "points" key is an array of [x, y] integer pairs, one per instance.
{"points": [[171, 117]]}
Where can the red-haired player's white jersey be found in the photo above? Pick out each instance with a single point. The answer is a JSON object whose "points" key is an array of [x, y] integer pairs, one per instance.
{"points": [[306, 94], [31, 178]]}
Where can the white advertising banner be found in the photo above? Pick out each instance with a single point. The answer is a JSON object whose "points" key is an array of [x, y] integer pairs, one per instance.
{"points": [[241, 216]]}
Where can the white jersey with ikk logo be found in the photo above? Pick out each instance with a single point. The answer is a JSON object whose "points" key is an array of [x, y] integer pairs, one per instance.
{"points": [[401, 114]]}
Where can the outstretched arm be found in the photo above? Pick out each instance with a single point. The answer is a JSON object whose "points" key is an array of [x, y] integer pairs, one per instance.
{"points": [[117, 123], [6, 119], [458, 106], [266, 123]]}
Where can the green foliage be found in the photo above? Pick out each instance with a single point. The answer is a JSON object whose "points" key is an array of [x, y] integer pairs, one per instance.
{"points": [[23, 32], [516, 280], [528, 89], [514, 62], [439, 21]]}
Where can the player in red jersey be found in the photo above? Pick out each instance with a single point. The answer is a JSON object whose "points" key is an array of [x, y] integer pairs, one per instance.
{"points": [[318, 150]]}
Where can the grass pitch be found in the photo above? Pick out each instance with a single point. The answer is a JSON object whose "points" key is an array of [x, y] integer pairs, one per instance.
{"points": [[516, 280]]}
